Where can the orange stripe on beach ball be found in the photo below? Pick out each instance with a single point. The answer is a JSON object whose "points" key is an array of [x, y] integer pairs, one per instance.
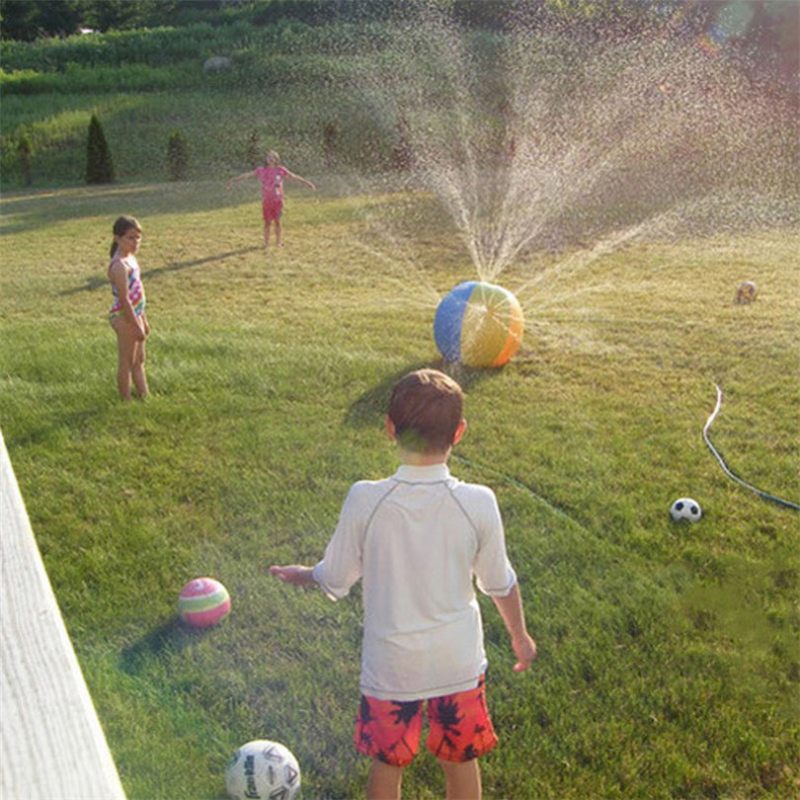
{"points": [[516, 327]]}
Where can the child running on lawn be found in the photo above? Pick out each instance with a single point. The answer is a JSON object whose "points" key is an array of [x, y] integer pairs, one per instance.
{"points": [[417, 540], [271, 176]]}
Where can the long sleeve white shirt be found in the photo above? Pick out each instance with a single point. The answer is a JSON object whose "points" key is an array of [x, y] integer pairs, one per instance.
{"points": [[417, 540]]}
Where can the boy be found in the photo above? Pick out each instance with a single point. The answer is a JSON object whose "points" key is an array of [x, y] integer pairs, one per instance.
{"points": [[416, 540]]}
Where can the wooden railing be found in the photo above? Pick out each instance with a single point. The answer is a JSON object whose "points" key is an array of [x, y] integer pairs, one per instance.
{"points": [[53, 747]]}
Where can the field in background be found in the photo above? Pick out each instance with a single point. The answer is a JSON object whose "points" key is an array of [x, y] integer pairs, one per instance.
{"points": [[669, 663], [286, 85]]}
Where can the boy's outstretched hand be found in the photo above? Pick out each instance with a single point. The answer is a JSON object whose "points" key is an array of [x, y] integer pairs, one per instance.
{"points": [[295, 574], [525, 651]]}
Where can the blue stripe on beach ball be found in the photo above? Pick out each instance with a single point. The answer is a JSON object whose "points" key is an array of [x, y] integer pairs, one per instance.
{"points": [[448, 321]]}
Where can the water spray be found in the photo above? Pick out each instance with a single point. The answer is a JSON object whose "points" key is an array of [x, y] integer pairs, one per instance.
{"points": [[545, 138]]}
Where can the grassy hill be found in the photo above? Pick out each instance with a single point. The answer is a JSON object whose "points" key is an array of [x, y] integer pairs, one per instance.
{"points": [[284, 85]]}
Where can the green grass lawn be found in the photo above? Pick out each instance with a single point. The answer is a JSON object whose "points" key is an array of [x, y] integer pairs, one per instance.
{"points": [[669, 663]]}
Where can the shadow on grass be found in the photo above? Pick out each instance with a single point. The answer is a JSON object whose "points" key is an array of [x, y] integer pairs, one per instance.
{"points": [[78, 423], [171, 637], [94, 282], [370, 408], [39, 208]]}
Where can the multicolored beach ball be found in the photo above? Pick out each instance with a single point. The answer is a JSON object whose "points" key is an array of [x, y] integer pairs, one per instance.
{"points": [[479, 324], [203, 602]]}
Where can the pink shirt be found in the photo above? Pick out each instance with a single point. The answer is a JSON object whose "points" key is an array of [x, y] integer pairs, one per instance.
{"points": [[271, 183]]}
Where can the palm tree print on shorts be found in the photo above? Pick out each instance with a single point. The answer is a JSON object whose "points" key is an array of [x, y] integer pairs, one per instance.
{"points": [[384, 736], [446, 711], [464, 725], [460, 727]]}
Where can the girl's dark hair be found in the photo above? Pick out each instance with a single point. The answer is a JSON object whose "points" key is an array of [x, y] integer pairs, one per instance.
{"points": [[121, 226]]}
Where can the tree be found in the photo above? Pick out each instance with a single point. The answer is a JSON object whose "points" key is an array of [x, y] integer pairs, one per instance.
{"points": [[252, 155], [99, 165], [25, 19], [330, 136], [107, 15], [177, 156], [24, 153]]}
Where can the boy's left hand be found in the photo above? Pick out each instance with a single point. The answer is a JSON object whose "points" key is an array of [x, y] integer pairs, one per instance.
{"points": [[525, 651]]}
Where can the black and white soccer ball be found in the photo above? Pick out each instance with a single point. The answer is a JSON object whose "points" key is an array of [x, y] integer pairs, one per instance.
{"points": [[686, 508], [262, 770]]}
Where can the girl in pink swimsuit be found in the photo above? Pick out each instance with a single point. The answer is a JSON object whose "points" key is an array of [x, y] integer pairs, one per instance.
{"points": [[127, 315], [271, 176]]}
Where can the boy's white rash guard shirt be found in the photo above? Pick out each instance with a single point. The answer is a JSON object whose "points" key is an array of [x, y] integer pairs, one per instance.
{"points": [[416, 540]]}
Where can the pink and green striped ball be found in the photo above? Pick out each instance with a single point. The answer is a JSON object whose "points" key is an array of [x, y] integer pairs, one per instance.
{"points": [[203, 602], [479, 324]]}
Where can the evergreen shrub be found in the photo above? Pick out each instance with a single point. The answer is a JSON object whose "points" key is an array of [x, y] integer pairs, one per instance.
{"points": [[25, 154], [177, 156], [99, 165]]}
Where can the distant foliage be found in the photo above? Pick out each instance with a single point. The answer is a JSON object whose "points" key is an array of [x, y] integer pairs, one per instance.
{"points": [[177, 156], [154, 47], [26, 20], [252, 154], [76, 79], [166, 47], [99, 165], [154, 32], [292, 74], [330, 137], [402, 153], [25, 155]]}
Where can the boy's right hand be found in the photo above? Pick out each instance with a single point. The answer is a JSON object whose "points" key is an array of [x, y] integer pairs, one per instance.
{"points": [[294, 574], [525, 650]]}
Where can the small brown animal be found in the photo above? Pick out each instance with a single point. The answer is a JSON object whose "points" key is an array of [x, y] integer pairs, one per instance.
{"points": [[746, 293]]}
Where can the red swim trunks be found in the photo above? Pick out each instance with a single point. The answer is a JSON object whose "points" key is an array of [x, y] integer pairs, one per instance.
{"points": [[271, 209], [460, 727]]}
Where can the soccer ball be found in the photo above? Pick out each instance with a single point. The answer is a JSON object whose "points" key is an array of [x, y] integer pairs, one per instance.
{"points": [[262, 770], [686, 508]]}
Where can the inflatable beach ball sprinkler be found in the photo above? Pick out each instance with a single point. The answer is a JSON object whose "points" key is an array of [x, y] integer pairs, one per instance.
{"points": [[479, 324], [203, 602]]}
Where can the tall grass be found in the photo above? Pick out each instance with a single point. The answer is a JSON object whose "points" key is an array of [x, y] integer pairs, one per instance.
{"points": [[286, 82], [77, 79], [165, 46], [218, 125], [669, 663]]}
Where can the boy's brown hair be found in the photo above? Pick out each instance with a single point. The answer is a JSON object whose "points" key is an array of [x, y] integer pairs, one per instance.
{"points": [[426, 408]]}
